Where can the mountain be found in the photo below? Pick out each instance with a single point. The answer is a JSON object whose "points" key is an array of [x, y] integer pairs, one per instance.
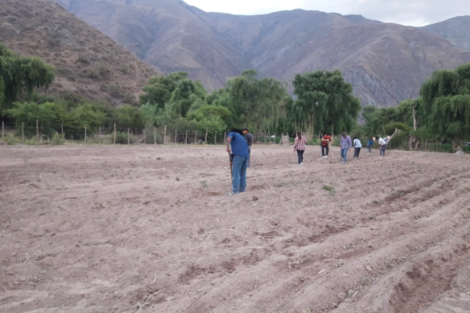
{"points": [[87, 62], [385, 63], [456, 30]]}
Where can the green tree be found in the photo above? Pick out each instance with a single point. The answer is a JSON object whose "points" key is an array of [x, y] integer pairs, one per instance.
{"points": [[446, 103], [186, 94], [127, 116], [326, 101], [50, 117], [20, 75], [160, 88], [257, 104]]}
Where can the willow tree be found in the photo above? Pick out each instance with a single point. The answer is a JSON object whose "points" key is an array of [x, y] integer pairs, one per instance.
{"points": [[257, 104], [446, 103], [19, 76], [326, 100], [160, 88]]}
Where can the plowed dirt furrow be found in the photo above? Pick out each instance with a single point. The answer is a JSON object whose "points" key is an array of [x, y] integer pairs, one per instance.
{"points": [[150, 229]]}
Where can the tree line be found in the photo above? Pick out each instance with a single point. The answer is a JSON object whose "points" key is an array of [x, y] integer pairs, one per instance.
{"points": [[322, 102]]}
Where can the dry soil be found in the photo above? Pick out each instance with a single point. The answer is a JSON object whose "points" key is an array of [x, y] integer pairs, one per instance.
{"points": [[151, 229]]}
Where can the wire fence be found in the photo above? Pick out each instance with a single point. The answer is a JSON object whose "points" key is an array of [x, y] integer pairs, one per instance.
{"points": [[37, 133]]}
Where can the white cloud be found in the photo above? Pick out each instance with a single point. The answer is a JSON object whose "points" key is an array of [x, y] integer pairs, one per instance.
{"points": [[406, 12]]}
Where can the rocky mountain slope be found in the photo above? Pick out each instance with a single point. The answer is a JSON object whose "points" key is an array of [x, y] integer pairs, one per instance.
{"points": [[386, 63], [456, 30], [88, 63]]}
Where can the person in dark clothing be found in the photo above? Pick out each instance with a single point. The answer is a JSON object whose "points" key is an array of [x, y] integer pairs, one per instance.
{"points": [[249, 142], [370, 144], [236, 145]]}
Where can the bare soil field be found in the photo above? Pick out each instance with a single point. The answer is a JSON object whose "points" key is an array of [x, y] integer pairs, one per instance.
{"points": [[151, 229]]}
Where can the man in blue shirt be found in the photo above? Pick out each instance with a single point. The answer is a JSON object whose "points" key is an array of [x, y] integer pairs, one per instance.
{"points": [[236, 145]]}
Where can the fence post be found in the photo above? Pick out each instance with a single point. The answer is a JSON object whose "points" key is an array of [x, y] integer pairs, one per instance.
{"points": [[205, 141], [114, 141], [128, 136], [225, 137], [195, 138], [22, 131], [85, 135], [37, 130], [186, 140], [62, 129], [164, 136], [154, 135], [176, 132], [3, 131], [144, 136], [215, 138]]}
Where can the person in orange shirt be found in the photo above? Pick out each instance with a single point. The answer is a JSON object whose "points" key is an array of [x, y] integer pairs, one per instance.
{"points": [[325, 146]]}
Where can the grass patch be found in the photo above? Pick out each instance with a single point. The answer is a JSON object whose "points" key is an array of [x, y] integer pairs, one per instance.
{"points": [[330, 189]]}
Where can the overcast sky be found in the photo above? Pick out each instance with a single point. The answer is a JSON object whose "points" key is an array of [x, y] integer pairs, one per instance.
{"points": [[405, 12]]}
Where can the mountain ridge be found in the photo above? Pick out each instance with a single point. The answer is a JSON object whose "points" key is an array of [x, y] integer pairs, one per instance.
{"points": [[213, 47]]}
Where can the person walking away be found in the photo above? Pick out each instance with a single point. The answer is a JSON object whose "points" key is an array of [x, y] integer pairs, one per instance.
{"points": [[249, 142], [300, 145], [357, 147], [345, 145], [236, 145], [325, 146], [370, 144]]}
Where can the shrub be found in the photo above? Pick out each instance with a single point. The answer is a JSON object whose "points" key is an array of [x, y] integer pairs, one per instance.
{"points": [[99, 72], [83, 59], [121, 138], [129, 99], [114, 91], [57, 139]]}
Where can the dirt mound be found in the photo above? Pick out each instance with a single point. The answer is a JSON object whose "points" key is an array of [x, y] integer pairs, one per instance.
{"points": [[150, 228]]}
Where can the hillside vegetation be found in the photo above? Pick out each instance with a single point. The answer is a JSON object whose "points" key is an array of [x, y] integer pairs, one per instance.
{"points": [[88, 63]]}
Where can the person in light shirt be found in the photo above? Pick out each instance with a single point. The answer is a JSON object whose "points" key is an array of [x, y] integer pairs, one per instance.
{"points": [[357, 147], [383, 144]]}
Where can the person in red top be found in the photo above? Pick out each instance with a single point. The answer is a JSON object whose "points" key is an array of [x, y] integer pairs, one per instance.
{"points": [[325, 146], [299, 145]]}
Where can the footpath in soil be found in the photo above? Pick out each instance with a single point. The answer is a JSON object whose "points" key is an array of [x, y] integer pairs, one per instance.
{"points": [[150, 229]]}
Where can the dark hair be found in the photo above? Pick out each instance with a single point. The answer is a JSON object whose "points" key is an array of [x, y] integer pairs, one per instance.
{"points": [[299, 135]]}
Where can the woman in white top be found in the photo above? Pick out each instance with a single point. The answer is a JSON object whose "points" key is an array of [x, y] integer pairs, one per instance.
{"points": [[357, 147]]}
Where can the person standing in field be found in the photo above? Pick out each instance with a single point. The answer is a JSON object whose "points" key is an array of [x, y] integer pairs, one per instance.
{"points": [[345, 145], [357, 147], [325, 146], [383, 142], [370, 144], [249, 142], [300, 145], [383, 145], [236, 145]]}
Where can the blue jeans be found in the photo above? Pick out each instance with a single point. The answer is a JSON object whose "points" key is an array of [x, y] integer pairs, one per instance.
{"points": [[382, 149], [300, 156], [344, 154], [239, 174]]}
